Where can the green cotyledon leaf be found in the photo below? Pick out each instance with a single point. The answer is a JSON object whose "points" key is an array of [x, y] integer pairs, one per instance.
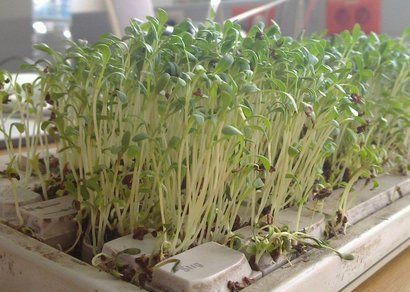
{"points": [[231, 131]]}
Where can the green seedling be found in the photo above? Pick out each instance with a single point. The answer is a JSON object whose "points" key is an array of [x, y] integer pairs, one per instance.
{"points": [[198, 133]]}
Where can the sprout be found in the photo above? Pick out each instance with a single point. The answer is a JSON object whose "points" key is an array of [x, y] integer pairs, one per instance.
{"points": [[185, 133]]}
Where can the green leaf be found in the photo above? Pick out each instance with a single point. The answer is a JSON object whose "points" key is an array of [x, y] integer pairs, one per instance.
{"points": [[199, 69], [133, 151], [236, 243], [340, 88], [125, 141], [293, 151], [279, 84], [352, 135], [335, 124], [353, 111], [231, 131], [131, 251], [93, 184], [357, 31], [265, 161], [162, 16], [258, 183], [43, 48], [163, 81], [224, 64], [84, 193], [45, 124], [174, 142], [242, 64], [19, 126], [4, 97], [122, 96], [199, 118], [140, 137], [172, 69], [312, 59], [181, 82], [250, 88], [292, 100], [120, 203], [99, 201], [105, 52], [115, 149], [291, 176], [347, 257]]}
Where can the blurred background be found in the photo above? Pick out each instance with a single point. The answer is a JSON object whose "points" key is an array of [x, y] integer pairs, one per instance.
{"points": [[24, 22]]}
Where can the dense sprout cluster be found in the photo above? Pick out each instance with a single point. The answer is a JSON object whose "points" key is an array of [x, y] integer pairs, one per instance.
{"points": [[197, 133]]}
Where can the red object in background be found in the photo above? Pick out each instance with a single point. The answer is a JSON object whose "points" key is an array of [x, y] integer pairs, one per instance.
{"points": [[265, 16], [344, 14]]}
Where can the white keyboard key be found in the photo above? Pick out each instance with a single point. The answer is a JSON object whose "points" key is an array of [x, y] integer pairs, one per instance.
{"points": [[7, 201], [116, 247], [207, 267], [52, 221]]}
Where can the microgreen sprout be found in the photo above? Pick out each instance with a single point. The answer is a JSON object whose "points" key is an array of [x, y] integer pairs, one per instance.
{"points": [[197, 133]]}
